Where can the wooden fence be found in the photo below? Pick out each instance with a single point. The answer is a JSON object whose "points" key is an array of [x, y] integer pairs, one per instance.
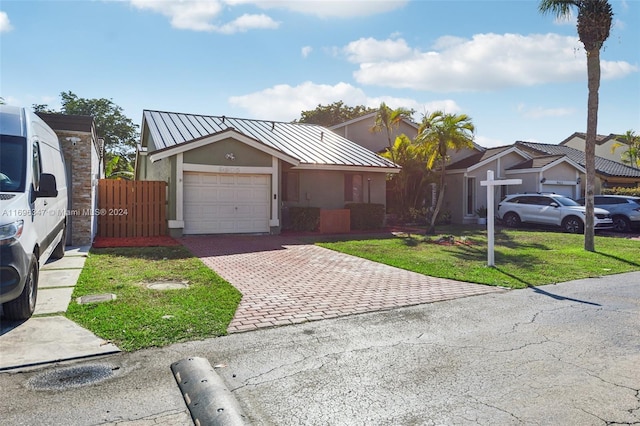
{"points": [[131, 208]]}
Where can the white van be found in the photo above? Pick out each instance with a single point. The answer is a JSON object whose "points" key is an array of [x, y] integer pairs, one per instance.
{"points": [[33, 206]]}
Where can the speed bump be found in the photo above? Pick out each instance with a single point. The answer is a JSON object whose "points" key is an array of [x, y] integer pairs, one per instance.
{"points": [[207, 398]]}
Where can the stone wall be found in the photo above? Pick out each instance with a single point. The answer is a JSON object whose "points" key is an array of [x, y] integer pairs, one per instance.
{"points": [[82, 158]]}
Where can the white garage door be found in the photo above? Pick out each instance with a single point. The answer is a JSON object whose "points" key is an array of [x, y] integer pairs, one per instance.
{"points": [[225, 204], [566, 190]]}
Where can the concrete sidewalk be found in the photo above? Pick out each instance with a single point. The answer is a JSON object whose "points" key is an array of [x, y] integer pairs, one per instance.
{"points": [[48, 336]]}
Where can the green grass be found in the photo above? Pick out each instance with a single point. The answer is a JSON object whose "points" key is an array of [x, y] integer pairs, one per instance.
{"points": [[522, 257], [135, 319]]}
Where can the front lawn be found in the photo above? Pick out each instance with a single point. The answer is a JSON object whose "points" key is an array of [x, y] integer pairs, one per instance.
{"points": [[522, 257], [141, 317]]}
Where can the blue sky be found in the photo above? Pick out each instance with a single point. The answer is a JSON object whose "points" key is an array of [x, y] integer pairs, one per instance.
{"points": [[518, 74]]}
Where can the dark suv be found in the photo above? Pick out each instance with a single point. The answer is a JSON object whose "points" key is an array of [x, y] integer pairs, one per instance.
{"points": [[625, 210], [549, 209]]}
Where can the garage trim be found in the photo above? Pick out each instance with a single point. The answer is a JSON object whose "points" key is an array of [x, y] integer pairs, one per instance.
{"points": [[182, 167]]}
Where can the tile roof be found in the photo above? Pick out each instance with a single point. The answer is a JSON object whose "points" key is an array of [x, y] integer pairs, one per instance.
{"points": [[603, 166], [309, 143], [600, 139]]}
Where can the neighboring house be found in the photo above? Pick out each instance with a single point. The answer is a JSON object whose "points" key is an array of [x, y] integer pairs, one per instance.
{"points": [[360, 131], [542, 168], [231, 175], [83, 157], [604, 145], [609, 173]]}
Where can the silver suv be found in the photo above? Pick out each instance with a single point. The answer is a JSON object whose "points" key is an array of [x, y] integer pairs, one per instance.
{"points": [[624, 209], [549, 209]]}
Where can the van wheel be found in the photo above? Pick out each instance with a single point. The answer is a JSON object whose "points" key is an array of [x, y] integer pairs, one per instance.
{"points": [[58, 252], [573, 225], [22, 308]]}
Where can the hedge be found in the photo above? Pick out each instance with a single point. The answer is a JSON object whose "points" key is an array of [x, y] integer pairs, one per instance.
{"points": [[305, 219], [633, 192], [366, 216]]}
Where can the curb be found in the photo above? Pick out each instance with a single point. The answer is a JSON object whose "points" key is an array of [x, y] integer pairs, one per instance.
{"points": [[207, 398]]}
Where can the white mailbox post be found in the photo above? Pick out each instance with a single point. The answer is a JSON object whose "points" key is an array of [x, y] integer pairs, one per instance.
{"points": [[490, 184]]}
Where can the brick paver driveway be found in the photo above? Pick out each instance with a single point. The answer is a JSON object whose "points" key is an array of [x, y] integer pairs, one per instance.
{"points": [[284, 281]]}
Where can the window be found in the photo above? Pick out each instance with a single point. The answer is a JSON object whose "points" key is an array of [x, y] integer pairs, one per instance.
{"points": [[353, 188], [471, 189], [37, 167], [290, 186]]}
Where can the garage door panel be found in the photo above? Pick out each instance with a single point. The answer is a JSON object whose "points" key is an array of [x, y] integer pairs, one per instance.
{"points": [[219, 203]]}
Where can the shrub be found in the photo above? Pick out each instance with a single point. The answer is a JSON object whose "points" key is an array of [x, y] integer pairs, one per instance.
{"points": [[632, 192], [304, 218], [366, 215]]}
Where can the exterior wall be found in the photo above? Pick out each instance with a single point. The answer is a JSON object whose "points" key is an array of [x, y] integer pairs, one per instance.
{"points": [[360, 133], [325, 189], [216, 154], [84, 168]]}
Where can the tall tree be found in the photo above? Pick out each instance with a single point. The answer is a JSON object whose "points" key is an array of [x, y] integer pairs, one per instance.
{"points": [[594, 25], [631, 142], [387, 120], [438, 134], [119, 132], [335, 113]]}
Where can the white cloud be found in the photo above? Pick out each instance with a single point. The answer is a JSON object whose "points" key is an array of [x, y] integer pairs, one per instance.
{"points": [[367, 50], [487, 62], [285, 103], [5, 24], [198, 15], [328, 9], [540, 112], [306, 51], [249, 22]]}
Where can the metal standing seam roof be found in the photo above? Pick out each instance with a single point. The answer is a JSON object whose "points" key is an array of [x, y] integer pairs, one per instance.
{"points": [[603, 166], [309, 143]]}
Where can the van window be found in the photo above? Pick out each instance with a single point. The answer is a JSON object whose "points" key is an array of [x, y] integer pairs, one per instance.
{"points": [[12, 163], [37, 165]]}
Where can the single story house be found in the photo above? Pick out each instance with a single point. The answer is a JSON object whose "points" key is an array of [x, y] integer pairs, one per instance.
{"points": [[232, 175], [542, 168]]}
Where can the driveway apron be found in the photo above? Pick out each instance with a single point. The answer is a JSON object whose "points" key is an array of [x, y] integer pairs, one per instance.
{"points": [[285, 281]]}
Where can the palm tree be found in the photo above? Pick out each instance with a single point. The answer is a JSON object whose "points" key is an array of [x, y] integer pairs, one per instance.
{"points": [[632, 142], [387, 120], [594, 25], [411, 181], [439, 133]]}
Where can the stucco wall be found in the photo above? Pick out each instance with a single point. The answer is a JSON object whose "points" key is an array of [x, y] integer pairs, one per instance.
{"points": [[216, 154], [325, 189], [360, 133]]}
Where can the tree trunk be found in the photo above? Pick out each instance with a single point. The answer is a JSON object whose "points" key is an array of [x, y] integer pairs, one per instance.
{"points": [[593, 76], [432, 226]]}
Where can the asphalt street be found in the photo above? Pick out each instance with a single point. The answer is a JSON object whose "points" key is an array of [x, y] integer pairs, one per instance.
{"points": [[565, 354]]}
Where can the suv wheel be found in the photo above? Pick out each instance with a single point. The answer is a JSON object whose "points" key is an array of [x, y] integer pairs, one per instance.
{"points": [[573, 225], [621, 224], [512, 220]]}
